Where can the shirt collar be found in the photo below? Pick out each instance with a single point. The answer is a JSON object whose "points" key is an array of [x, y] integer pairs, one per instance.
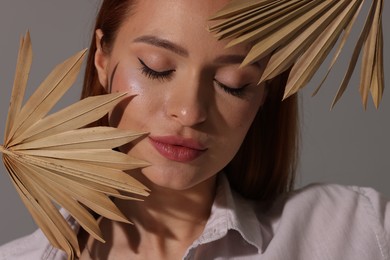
{"points": [[231, 212]]}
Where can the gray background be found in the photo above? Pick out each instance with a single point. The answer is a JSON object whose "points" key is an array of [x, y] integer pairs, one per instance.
{"points": [[346, 145]]}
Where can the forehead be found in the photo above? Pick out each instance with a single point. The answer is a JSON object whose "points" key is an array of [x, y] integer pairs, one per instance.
{"points": [[179, 12], [200, 8], [184, 22]]}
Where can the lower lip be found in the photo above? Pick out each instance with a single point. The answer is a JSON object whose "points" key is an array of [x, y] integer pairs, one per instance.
{"points": [[176, 152]]}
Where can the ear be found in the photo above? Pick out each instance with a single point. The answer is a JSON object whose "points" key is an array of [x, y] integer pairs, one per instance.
{"points": [[101, 60]]}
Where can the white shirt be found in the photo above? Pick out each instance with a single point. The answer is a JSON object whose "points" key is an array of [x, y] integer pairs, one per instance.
{"points": [[318, 222]]}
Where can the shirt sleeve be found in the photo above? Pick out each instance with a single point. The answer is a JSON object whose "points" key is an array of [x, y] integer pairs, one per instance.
{"points": [[33, 247]]}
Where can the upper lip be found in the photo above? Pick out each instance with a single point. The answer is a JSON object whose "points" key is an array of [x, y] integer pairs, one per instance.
{"points": [[179, 141]]}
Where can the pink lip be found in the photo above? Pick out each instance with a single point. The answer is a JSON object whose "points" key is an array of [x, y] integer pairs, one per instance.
{"points": [[177, 148]]}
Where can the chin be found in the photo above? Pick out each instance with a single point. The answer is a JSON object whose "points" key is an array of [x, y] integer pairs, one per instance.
{"points": [[173, 178]]}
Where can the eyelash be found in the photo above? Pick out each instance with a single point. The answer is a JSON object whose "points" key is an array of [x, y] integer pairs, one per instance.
{"points": [[152, 74], [163, 75], [237, 92]]}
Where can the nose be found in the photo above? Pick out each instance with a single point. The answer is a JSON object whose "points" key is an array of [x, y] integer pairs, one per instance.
{"points": [[187, 104]]}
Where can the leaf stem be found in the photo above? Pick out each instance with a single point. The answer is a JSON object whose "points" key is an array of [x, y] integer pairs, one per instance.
{"points": [[4, 150]]}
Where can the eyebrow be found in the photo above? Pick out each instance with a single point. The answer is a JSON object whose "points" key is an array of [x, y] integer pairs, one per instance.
{"points": [[230, 59], [162, 43], [173, 47], [234, 59]]}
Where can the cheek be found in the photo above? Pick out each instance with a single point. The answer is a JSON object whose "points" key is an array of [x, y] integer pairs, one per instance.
{"points": [[239, 113], [239, 122], [127, 78], [242, 117], [238, 118], [132, 111]]}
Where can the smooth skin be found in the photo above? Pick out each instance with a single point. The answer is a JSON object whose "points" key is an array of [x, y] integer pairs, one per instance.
{"points": [[183, 83]]}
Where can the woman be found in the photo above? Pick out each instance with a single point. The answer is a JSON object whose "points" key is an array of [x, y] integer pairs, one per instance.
{"points": [[197, 106], [222, 151]]}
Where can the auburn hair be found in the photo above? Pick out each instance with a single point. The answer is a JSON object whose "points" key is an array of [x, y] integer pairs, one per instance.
{"points": [[265, 164]]}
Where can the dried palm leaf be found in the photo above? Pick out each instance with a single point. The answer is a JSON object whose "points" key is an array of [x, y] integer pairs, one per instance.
{"points": [[300, 34], [53, 161]]}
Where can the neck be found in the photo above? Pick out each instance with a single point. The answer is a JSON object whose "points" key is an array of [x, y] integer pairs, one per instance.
{"points": [[169, 212], [165, 224]]}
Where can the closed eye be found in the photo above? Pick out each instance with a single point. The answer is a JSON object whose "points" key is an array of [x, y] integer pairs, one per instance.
{"points": [[234, 91], [153, 74]]}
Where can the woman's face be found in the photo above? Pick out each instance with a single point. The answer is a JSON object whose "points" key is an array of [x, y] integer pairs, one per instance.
{"points": [[189, 92]]}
